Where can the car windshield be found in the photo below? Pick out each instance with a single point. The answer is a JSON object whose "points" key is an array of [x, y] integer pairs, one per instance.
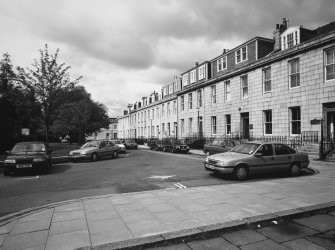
{"points": [[215, 143], [117, 142], [90, 144], [246, 148], [33, 147], [130, 141]]}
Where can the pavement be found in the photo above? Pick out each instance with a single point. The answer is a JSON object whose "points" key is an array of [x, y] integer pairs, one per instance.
{"points": [[170, 217]]}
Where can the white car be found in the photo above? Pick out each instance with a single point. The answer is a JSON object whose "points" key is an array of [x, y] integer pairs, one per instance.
{"points": [[95, 150], [122, 147]]}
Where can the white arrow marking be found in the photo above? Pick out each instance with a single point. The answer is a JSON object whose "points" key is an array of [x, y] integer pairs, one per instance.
{"points": [[163, 177], [179, 185], [27, 178]]}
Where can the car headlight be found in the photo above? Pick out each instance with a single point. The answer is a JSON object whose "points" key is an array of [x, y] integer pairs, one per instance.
{"points": [[177, 147], [10, 161], [222, 163], [83, 153], [206, 160], [38, 160], [187, 147]]}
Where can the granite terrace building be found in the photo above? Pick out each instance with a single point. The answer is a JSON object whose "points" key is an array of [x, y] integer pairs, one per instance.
{"points": [[281, 87]]}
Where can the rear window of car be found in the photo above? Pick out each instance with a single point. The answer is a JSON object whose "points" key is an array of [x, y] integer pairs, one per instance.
{"points": [[281, 149], [230, 144], [34, 147], [246, 148]]}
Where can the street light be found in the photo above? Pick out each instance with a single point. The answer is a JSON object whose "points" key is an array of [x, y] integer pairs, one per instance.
{"points": [[198, 108]]}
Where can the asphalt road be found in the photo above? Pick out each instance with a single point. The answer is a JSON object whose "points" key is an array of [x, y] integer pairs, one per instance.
{"points": [[138, 170]]}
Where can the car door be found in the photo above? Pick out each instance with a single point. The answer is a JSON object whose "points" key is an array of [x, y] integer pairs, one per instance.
{"points": [[284, 156], [109, 148], [263, 160], [103, 149]]}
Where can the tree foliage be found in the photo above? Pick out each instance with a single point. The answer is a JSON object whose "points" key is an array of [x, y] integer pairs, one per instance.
{"points": [[47, 81]]}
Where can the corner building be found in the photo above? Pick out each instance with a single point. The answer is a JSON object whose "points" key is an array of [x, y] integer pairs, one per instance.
{"points": [[280, 87]]}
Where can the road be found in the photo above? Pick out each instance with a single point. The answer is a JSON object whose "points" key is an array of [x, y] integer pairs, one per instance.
{"points": [[138, 170]]}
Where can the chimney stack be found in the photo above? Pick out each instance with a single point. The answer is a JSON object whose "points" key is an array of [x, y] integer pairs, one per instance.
{"points": [[280, 28]]}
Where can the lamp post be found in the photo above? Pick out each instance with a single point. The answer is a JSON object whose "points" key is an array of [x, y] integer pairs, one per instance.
{"points": [[198, 108]]}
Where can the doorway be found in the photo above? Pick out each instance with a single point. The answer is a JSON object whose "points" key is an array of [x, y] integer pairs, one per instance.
{"points": [[245, 125]]}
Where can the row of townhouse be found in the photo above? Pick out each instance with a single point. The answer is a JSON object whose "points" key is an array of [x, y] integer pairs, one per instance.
{"points": [[283, 86]]}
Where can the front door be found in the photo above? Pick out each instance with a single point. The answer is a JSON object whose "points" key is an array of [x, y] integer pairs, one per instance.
{"points": [[245, 125], [200, 126], [331, 125]]}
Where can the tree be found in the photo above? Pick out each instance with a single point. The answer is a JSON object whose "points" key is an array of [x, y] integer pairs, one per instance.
{"points": [[47, 81], [17, 107], [82, 116]]}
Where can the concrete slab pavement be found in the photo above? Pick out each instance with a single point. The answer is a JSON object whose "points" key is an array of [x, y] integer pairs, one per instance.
{"points": [[144, 218]]}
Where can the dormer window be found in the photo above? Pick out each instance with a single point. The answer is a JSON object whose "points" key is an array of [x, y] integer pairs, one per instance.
{"points": [[202, 72], [193, 76], [241, 55], [222, 63], [290, 38], [185, 80]]}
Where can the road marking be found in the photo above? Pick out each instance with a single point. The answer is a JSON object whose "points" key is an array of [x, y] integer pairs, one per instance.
{"points": [[27, 178], [163, 177], [179, 185]]}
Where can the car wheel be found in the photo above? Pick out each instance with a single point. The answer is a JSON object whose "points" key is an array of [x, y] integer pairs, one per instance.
{"points": [[241, 173], [294, 169], [115, 154], [94, 157], [6, 171]]}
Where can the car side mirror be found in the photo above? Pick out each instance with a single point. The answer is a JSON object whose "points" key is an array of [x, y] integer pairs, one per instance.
{"points": [[258, 154]]}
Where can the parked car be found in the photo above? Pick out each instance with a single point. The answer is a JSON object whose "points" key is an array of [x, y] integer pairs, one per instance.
{"points": [[95, 150], [122, 148], [130, 144], [28, 155], [156, 145], [219, 146], [176, 146], [257, 157]]}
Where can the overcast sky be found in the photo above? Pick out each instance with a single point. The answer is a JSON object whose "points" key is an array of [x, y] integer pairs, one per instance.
{"points": [[125, 49]]}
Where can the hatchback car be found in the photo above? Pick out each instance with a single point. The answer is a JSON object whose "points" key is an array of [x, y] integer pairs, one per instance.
{"points": [[95, 150], [122, 148], [257, 157], [176, 146], [28, 155], [219, 146], [130, 144]]}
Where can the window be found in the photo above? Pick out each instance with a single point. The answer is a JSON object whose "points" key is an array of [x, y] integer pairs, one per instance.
{"points": [[221, 63], [190, 101], [163, 110], [202, 72], [193, 76], [174, 107], [182, 124], [290, 42], [291, 39], [281, 149], [107, 136], [199, 95], [157, 113], [182, 103], [168, 109], [241, 55], [227, 91], [330, 64], [213, 120], [244, 86], [266, 150], [228, 124], [163, 128], [213, 94], [267, 80], [190, 125], [185, 80], [267, 122], [295, 120], [294, 73]]}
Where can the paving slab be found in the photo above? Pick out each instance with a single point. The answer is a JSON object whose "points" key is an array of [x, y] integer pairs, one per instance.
{"points": [[101, 226], [243, 237], [70, 215], [320, 222], [20, 241], [68, 226], [70, 207], [302, 244], [7, 227], [266, 244], [326, 240], [286, 231], [69, 241], [212, 244]]}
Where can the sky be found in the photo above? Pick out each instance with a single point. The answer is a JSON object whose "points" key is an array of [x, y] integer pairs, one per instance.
{"points": [[126, 49]]}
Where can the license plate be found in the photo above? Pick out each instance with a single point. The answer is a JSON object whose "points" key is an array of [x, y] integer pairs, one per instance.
{"points": [[209, 166], [23, 166]]}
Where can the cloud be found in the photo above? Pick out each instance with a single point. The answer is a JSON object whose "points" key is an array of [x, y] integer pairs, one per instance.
{"points": [[125, 49]]}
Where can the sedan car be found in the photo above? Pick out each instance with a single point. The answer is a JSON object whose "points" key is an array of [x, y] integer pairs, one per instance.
{"points": [[219, 146], [122, 148], [95, 150], [176, 146], [257, 157], [28, 155], [130, 144]]}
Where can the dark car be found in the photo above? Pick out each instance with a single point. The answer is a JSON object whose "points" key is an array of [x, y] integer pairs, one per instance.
{"points": [[176, 146], [219, 146], [28, 155], [257, 157], [130, 144]]}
